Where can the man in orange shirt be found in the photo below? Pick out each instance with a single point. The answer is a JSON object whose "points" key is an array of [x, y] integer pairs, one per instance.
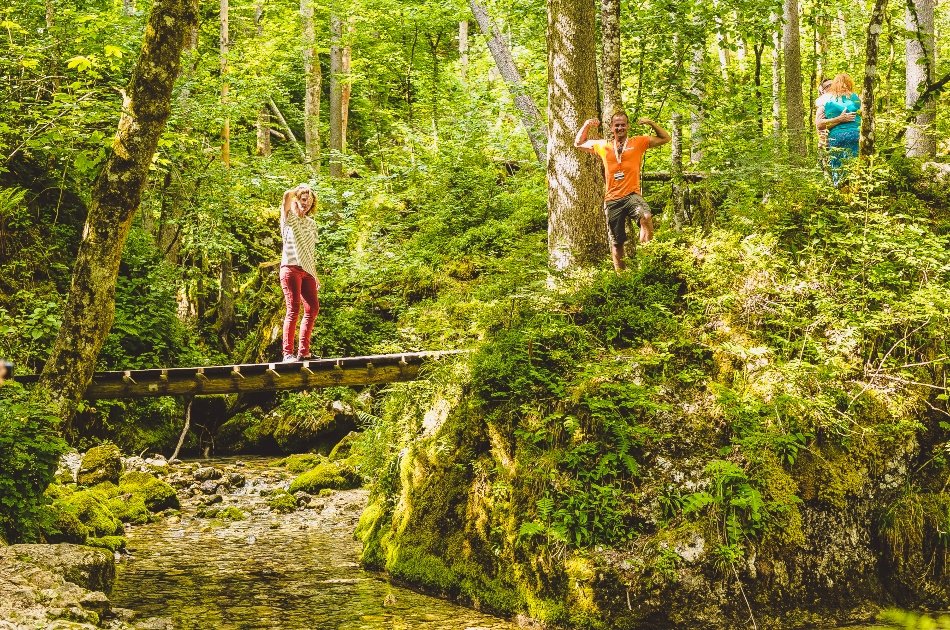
{"points": [[622, 158]]}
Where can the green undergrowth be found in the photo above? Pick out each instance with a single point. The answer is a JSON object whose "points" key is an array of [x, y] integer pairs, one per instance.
{"points": [[30, 447], [790, 358]]}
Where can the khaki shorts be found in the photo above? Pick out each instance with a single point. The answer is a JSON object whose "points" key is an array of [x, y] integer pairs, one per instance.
{"points": [[618, 210]]}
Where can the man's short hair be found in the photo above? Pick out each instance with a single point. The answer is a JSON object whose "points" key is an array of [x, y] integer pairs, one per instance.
{"points": [[619, 112]]}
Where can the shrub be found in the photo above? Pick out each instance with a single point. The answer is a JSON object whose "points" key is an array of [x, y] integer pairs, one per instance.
{"points": [[30, 448]]}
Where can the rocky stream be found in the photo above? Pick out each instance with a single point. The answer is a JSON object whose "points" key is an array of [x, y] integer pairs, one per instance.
{"points": [[231, 557]]}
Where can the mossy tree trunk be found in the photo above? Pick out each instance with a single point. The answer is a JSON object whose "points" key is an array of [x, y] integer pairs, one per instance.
{"points": [[224, 47], [336, 96], [610, 60], [794, 99], [116, 192], [263, 147], [314, 83], [577, 230]]}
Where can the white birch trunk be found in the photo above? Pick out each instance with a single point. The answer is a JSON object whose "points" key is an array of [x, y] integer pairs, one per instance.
{"points": [[921, 138], [501, 53]]}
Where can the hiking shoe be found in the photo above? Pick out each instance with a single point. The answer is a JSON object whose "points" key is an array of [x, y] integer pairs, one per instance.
{"points": [[289, 358]]}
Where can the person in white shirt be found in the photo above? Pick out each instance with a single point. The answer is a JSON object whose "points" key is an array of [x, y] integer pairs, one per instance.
{"points": [[298, 273]]}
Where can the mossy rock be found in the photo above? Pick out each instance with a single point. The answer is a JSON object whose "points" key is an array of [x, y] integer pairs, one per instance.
{"points": [[112, 543], [282, 502], [156, 494], [344, 447], [66, 528], [301, 462], [56, 491], [230, 513], [294, 432], [130, 509], [100, 464], [335, 475], [91, 508], [244, 432]]}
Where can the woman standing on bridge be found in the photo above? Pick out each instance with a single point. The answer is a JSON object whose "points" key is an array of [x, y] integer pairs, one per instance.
{"points": [[298, 272]]}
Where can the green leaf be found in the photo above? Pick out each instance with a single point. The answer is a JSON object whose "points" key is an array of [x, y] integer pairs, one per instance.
{"points": [[113, 51], [79, 63]]}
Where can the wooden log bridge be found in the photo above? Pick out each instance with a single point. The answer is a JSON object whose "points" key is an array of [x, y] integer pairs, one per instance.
{"points": [[258, 377]]}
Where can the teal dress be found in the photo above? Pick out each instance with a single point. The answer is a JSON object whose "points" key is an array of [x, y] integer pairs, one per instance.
{"points": [[842, 139]]}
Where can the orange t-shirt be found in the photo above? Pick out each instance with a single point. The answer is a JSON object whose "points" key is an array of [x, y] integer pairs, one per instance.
{"points": [[622, 177]]}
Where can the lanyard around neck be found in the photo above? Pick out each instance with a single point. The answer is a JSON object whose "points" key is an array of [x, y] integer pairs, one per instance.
{"points": [[619, 151]]}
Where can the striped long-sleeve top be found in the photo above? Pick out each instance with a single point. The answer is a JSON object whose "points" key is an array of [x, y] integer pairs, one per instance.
{"points": [[300, 242]]}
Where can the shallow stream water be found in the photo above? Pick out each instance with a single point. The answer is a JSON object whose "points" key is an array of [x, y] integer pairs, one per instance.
{"points": [[297, 570], [271, 570]]}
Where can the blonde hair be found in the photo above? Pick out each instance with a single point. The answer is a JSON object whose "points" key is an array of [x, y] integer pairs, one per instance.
{"points": [[841, 85], [313, 198]]}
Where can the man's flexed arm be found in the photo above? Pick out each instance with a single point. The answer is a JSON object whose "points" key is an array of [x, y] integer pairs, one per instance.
{"points": [[580, 141], [661, 137]]}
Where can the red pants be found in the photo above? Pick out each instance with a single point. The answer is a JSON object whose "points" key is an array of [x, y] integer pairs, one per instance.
{"points": [[299, 285]]}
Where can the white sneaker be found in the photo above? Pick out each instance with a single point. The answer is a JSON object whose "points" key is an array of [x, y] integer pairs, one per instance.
{"points": [[289, 358]]}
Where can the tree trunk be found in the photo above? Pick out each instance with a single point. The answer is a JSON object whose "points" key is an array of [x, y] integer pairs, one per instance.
{"points": [[845, 42], [263, 147], [776, 79], [794, 104], [226, 296], [128, 7], [290, 136], [530, 115], [870, 78], [611, 95], [823, 28], [434, 87], [696, 116], [115, 195], [722, 44], [347, 87], [921, 138], [54, 51], [336, 96], [224, 44], [184, 430], [676, 171], [757, 49], [577, 232], [463, 49], [314, 80]]}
